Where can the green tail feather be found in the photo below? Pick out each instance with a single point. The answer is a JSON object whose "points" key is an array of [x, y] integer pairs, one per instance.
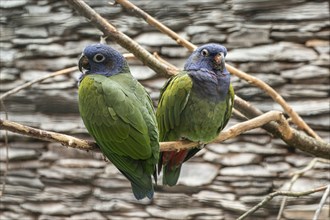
{"points": [[171, 176], [141, 188], [140, 193]]}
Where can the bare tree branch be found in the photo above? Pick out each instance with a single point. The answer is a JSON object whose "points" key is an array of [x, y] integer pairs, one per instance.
{"points": [[64, 139], [122, 39], [164, 146], [153, 22], [298, 140], [289, 135], [280, 193], [322, 202], [253, 80], [294, 178]]}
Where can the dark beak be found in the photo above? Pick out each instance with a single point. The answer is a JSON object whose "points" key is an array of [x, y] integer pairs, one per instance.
{"points": [[83, 64]]}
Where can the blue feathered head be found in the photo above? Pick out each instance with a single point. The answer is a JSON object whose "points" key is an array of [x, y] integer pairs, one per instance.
{"points": [[102, 59]]}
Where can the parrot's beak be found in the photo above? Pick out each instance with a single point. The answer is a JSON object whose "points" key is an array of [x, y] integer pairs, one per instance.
{"points": [[219, 60], [83, 64]]}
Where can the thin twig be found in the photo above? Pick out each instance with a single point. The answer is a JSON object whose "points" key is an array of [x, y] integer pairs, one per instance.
{"points": [[294, 178], [322, 202], [253, 80], [30, 83], [279, 193], [64, 139], [276, 97], [5, 172]]}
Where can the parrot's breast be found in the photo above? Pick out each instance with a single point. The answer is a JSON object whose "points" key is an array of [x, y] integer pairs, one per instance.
{"points": [[202, 119]]}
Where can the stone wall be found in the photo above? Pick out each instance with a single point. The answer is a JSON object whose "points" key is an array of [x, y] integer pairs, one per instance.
{"points": [[285, 43]]}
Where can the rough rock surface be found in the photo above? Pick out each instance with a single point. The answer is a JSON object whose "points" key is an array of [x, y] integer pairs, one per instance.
{"points": [[285, 43]]}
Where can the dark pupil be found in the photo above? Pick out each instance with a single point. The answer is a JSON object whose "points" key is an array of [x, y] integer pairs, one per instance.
{"points": [[99, 57]]}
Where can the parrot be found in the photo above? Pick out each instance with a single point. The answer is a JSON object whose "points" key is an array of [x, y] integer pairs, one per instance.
{"points": [[118, 113], [195, 105]]}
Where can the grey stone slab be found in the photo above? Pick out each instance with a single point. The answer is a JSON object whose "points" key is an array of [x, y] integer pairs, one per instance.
{"points": [[111, 183], [305, 72], [34, 32], [302, 107], [52, 64], [24, 181], [197, 174], [211, 196], [239, 159], [87, 216], [53, 208], [283, 51], [8, 4], [38, 9], [113, 205], [176, 213], [18, 154], [123, 194], [80, 163], [153, 39], [278, 167], [242, 147], [167, 199], [174, 52], [247, 37], [307, 11], [293, 212], [142, 72], [247, 170], [21, 191]]}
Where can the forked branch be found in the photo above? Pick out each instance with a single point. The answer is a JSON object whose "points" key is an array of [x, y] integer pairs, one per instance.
{"points": [[253, 80]]}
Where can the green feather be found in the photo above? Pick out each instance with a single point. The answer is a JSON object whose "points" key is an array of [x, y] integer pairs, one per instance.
{"points": [[118, 113], [182, 113]]}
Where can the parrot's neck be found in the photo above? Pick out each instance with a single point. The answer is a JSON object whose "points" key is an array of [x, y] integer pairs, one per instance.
{"points": [[210, 86]]}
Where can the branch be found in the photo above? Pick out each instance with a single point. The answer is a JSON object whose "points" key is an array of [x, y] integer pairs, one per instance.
{"points": [[322, 202], [30, 83], [280, 193], [276, 97], [298, 139], [122, 39], [253, 80], [164, 146], [153, 22], [65, 140], [294, 178]]}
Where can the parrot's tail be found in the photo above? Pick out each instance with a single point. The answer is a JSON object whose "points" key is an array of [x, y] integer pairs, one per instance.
{"points": [[140, 193], [141, 187], [172, 162]]}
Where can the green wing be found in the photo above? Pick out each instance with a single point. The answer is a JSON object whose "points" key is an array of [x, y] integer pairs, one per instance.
{"points": [[173, 99], [229, 103], [118, 113]]}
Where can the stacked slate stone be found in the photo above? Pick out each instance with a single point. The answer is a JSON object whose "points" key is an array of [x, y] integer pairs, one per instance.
{"points": [[284, 43]]}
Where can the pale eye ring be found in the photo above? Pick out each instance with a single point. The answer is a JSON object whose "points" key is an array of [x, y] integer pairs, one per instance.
{"points": [[205, 52], [98, 58]]}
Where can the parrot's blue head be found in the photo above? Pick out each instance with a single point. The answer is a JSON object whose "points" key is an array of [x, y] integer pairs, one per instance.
{"points": [[102, 59], [210, 57]]}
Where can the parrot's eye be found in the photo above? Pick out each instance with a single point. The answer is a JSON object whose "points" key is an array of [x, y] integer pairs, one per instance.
{"points": [[205, 52], [99, 58]]}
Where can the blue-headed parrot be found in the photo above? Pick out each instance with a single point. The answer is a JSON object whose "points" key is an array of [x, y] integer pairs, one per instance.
{"points": [[118, 112], [194, 105]]}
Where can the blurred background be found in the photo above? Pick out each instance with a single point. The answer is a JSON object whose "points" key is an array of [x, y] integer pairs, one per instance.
{"points": [[284, 42]]}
